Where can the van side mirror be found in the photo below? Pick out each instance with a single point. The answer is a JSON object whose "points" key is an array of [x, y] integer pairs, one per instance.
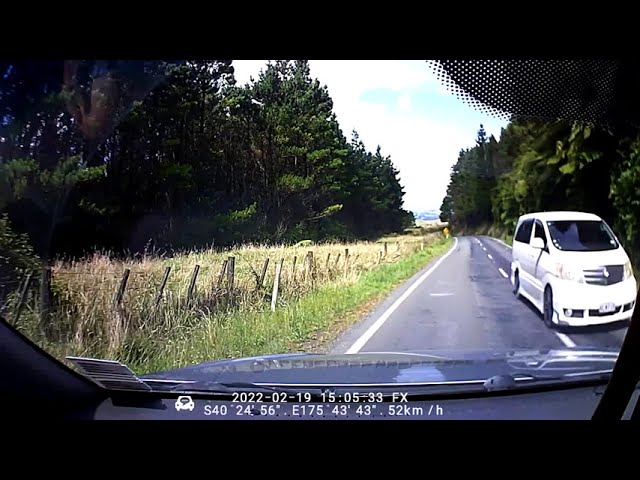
{"points": [[537, 242]]}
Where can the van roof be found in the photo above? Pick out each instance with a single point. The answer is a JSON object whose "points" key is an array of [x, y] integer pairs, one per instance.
{"points": [[561, 215]]}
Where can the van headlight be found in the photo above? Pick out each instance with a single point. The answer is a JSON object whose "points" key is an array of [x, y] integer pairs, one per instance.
{"points": [[628, 270], [568, 272]]}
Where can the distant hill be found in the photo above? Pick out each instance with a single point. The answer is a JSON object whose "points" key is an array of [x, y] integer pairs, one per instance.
{"points": [[427, 215]]}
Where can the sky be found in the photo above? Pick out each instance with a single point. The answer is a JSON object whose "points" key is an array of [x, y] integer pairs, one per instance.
{"points": [[403, 107]]}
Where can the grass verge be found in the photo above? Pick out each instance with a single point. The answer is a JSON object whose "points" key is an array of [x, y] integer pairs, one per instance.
{"points": [[86, 318], [307, 324]]}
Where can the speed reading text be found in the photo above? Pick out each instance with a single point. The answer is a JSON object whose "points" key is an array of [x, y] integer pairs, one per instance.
{"points": [[326, 410]]}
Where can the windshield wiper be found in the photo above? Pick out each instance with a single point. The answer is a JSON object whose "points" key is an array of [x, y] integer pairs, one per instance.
{"points": [[318, 392], [511, 381]]}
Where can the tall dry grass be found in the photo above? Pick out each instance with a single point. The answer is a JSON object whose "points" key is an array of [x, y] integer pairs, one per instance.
{"points": [[85, 320]]}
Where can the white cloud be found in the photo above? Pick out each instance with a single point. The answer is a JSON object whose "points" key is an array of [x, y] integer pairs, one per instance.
{"points": [[423, 148], [361, 75], [404, 102], [244, 69]]}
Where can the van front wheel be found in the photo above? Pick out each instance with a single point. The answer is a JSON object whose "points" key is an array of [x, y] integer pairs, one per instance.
{"points": [[548, 307]]}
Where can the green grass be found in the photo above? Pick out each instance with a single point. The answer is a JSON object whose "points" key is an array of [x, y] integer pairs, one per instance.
{"points": [[290, 328], [311, 310]]}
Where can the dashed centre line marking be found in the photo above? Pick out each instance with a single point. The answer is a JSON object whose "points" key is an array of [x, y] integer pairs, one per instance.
{"points": [[564, 338]]}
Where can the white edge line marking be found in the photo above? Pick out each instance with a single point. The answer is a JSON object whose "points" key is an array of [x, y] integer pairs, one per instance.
{"points": [[504, 274], [490, 257], [366, 336], [565, 339]]}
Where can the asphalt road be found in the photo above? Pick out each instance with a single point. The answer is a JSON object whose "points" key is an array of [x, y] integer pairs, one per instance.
{"points": [[464, 301]]}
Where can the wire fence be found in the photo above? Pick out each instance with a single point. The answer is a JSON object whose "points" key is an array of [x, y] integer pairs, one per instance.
{"points": [[98, 301]]}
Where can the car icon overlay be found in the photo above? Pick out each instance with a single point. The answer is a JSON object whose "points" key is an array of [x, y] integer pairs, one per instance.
{"points": [[185, 403]]}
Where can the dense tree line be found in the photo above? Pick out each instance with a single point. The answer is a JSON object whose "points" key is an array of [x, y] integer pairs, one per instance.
{"points": [[124, 155], [537, 165]]}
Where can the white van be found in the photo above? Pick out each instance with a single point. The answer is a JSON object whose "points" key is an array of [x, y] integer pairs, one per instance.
{"points": [[571, 266]]}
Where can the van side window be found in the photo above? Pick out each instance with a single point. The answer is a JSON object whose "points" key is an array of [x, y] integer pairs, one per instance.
{"points": [[539, 232], [523, 234]]}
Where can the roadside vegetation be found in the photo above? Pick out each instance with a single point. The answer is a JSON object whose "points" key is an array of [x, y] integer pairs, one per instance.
{"points": [[308, 323], [537, 166], [139, 156], [141, 200], [215, 313]]}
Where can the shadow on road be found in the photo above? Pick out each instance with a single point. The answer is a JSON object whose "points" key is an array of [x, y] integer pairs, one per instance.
{"points": [[531, 307]]}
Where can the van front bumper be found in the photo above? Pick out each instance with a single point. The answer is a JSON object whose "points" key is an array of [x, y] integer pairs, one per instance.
{"points": [[578, 304]]}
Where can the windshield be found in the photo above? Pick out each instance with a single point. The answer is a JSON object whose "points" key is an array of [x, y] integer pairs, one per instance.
{"points": [[581, 236], [172, 214]]}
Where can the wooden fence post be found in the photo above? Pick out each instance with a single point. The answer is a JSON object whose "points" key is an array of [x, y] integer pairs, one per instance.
{"points": [[21, 298], [311, 266], [335, 265], [385, 249], [379, 257], [308, 261], [293, 269], [167, 270], [192, 283], [326, 267], [346, 260], [32, 296], [276, 284], [117, 299], [231, 274], [264, 272], [45, 301], [221, 275]]}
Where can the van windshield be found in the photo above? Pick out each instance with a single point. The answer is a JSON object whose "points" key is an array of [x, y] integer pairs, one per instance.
{"points": [[582, 235]]}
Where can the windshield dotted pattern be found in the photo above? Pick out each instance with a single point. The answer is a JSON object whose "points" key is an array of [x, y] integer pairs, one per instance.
{"points": [[577, 90]]}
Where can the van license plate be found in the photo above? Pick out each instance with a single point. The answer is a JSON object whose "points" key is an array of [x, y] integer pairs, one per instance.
{"points": [[607, 308]]}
